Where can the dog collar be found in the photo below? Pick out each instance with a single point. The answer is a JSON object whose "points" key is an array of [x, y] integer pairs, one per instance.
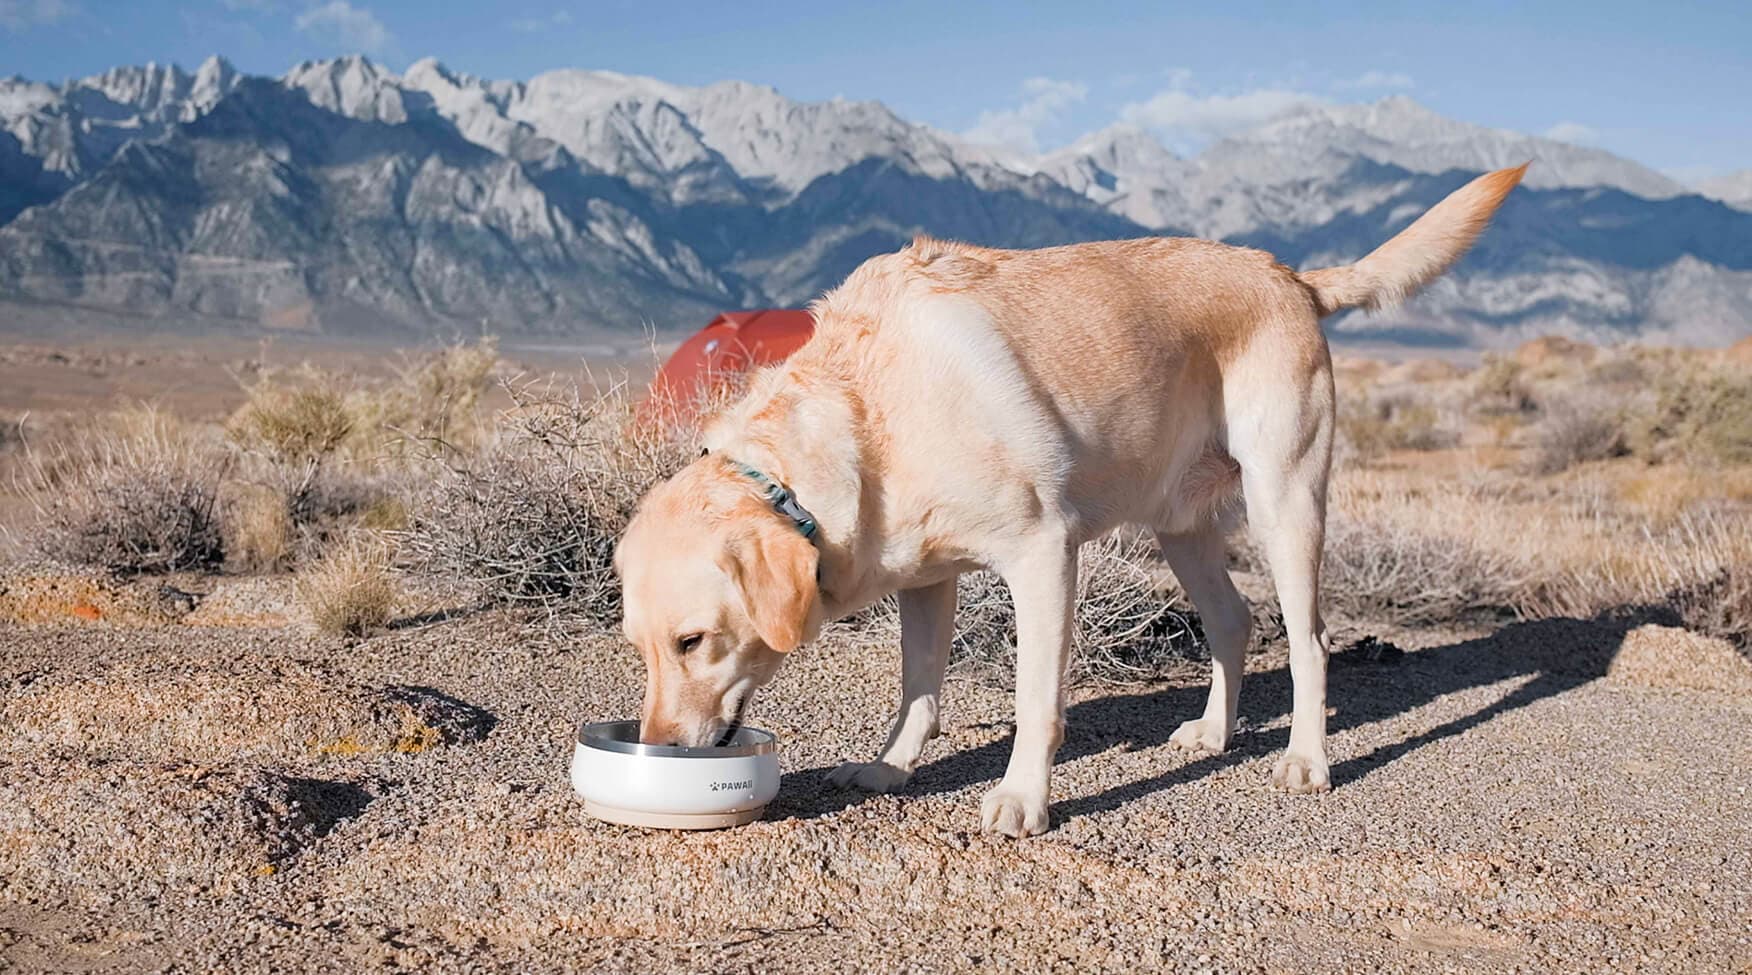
{"points": [[782, 500]]}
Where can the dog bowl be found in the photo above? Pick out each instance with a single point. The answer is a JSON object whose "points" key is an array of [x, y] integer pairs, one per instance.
{"points": [[671, 787]]}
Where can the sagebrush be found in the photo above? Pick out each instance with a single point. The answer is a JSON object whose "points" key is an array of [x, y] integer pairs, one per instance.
{"points": [[136, 492], [533, 517]]}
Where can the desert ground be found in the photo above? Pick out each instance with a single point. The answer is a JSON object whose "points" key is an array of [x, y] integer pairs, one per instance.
{"points": [[293, 717]]}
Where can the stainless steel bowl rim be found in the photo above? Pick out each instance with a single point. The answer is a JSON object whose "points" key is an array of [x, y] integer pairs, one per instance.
{"points": [[600, 735]]}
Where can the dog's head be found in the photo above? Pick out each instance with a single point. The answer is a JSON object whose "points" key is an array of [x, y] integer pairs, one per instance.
{"points": [[717, 587]]}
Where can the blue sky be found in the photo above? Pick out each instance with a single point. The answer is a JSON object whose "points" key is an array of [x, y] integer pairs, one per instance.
{"points": [[1665, 84]]}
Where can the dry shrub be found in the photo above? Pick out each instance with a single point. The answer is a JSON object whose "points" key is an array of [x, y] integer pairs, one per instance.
{"points": [[305, 417], [136, 493], [1699, 567], [1442, 553], [1130, 626], [292, 431], [335, 455], [1369, 426], [1417, 557], [1698, 415], [386, 513], [1501, 431], [434, 398], [351, 590], [1622, 370], [1577, 429], [533, 519], [1501, 387], [294, 425]]}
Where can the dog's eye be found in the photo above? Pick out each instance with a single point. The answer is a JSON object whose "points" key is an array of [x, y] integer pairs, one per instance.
{"points": [[688, 642]]}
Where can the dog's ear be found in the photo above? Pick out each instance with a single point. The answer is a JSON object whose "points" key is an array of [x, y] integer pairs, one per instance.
{"points": [[773, 567]]}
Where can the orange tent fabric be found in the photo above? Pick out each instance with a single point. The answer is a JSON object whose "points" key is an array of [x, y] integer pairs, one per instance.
{"points": [[734, 343]]}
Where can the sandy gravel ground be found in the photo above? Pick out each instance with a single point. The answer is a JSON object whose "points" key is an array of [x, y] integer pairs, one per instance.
{"points": [[1559, 796]]}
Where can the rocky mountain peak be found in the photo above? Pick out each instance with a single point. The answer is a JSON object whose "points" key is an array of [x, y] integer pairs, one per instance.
{"points": [[351, 85]]}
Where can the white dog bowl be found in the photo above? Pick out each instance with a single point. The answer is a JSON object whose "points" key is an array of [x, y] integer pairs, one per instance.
{"points": [[670, 787]]}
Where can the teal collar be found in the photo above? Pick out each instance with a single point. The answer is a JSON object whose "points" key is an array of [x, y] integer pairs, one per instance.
{"points": [[782, 500]]}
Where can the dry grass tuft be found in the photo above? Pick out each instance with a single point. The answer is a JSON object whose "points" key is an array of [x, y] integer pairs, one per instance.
{"points": [[305, 417], [137, 493], [259, 534], [351, 590], [533, 519]]}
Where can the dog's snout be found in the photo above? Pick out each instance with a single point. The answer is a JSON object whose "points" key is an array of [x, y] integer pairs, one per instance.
{"points": [[652, 733]]}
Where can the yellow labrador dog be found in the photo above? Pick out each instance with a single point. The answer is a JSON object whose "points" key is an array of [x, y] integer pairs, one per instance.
{"points": [[960, 407]]}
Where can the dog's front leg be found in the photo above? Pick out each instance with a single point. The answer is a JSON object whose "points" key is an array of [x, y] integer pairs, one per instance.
{"points": [[927, 625], [1043, 584]]}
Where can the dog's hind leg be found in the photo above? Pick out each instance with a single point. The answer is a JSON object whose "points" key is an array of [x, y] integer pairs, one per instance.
{"points": [[927, 625], [1198, 559], [1283, 442]]}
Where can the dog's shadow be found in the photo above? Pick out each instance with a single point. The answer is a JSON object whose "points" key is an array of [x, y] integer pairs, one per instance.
{"points": [[1558, 655]]}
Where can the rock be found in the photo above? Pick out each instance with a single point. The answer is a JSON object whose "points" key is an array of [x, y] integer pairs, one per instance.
{"points": [[1672, 658], [103, 828], [215, 713]]}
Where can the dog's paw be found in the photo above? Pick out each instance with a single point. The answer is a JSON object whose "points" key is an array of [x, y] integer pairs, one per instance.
{"points": [[1201, 735], [869, 776], [1301, 774], [1013, 812]]}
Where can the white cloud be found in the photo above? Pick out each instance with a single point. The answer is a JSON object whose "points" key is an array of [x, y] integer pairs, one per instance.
{"points": [[1044, 102], [342, 24], [1574, 132], [530, 25], [1693, 175], [1185, 119], [16, 15], [1376, 81]]}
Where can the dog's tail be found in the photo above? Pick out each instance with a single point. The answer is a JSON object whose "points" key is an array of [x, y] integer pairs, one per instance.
{"points": [[1419, 253]]}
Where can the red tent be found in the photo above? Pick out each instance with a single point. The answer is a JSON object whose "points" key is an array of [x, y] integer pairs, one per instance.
{"points": [[734, 342]]}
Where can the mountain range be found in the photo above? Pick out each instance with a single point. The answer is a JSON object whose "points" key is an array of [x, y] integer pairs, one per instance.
{"points": [[345, 198]]}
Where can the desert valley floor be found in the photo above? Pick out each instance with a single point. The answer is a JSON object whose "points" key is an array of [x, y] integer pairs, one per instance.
{"points": [[191, 782]]}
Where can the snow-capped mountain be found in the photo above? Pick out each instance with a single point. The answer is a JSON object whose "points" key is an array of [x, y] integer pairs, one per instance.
{"points": [[1397, 131], [730, 140], [1126, 170], [1259, 178], [344, 195], [1734, 189], [64, 133]]}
